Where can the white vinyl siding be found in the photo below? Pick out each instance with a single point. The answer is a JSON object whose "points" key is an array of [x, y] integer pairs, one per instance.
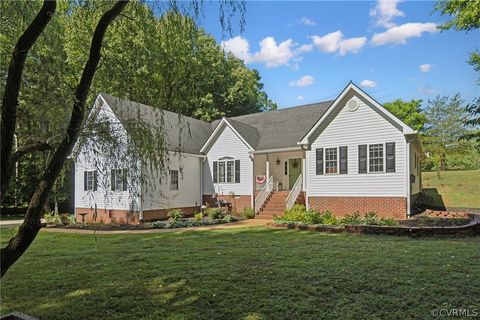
{"points": [[178, 187], [415, 170], [364, 126], [228, 144]]}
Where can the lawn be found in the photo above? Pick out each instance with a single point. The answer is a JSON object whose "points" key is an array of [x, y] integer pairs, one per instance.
{"points": [[457, 189], [241, 274]]}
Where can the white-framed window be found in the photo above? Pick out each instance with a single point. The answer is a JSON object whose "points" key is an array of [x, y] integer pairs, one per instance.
{"points": [[119, 180], [221, 171], [173, 179], [376, 157], [230, 171], [331, 160], [89, 180], [226, 170]]}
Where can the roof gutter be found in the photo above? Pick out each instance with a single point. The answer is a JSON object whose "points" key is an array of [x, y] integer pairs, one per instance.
{"points": [[299, 148]]}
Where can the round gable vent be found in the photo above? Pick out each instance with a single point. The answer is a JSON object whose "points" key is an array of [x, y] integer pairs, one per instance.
{"points": [[352, 105]]}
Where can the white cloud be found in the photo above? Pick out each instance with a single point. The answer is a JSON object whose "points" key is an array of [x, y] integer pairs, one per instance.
{"points": [[304, 48], [334, 41], [384, 12], [271, 53], [368, 84], [304, 81], [400, 34], [351, 45], [238, 46], [300, 97], [426, 90], [426, 67], [307, 22]]}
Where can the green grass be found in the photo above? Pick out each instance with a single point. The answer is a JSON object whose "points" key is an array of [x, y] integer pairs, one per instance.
{"points": [[12, 217], [241, 274], [458, 189]]}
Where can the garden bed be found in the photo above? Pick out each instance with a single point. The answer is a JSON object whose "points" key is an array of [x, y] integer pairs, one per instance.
{"points": [[468, 230]]}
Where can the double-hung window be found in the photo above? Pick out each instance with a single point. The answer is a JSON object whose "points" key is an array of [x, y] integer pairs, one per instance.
{"points": [[331, 160], [90, 180], [375, 156], [173, 179], [118, 180], [226, 170]]}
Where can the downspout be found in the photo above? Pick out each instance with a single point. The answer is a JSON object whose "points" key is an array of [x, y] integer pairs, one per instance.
{"points": [[408, 178], [202, 164]]}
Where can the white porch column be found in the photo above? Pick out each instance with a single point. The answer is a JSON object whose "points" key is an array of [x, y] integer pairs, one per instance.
{"points": [[267, 169], [304, 169]]}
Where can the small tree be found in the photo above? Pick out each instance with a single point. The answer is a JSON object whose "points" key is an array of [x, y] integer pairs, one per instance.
{"points": [[445, 127], [409, 112]]}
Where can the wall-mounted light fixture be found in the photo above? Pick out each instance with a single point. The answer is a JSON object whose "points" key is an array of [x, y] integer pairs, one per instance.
{"points": [[277, 162]]}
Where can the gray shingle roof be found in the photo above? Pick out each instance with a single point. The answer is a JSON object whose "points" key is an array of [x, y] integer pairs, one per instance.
{"points": [[188, 140], [275, 129], [283, 128]]}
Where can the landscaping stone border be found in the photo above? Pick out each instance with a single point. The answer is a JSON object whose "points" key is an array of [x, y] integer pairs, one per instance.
{"points": [[468, 230]]}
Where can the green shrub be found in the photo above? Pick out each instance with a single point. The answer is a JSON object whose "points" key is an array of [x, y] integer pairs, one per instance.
{"points": [[198, 216], [175, 214], [52, 218], [229, 218], [371, 218], [328, 218], [185, 223], [248, 213], [298, 213], [354, 218], [214, 213], [388, 222]]}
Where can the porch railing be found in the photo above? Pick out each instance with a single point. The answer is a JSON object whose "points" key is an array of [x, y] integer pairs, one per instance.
{"points": [[293, 195], [263, 194]]}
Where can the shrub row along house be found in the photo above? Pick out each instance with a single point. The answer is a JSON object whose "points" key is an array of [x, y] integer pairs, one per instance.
{"points": [[345, 155]]}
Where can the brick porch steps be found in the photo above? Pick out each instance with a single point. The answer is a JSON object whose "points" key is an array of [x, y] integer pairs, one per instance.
{"points": [[274, 205]]}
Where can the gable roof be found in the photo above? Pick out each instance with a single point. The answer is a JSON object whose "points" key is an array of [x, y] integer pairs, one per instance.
{"points": [[188, 140], [375, 106], [276, 129]]}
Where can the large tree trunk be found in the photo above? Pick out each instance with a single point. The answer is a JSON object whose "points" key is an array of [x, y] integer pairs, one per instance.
{"points": [[31, 225], [12, 89]]}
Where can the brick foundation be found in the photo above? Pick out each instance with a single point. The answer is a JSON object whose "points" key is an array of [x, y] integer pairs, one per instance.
{"points": [[385, 207], [108, 216], [149, 215], [238, 202]]}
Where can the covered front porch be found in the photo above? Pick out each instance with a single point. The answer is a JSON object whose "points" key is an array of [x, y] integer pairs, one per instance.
{"points": [[284, 167], [278, 180]]}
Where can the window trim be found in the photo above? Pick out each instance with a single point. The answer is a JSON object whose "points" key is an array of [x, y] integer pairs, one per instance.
{"points": [[87, 172], [325, 161], [225, 161], [123, 181], [384, 158], [170, 180]]}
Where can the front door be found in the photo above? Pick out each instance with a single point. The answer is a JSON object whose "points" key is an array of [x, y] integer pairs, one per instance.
{"points": [[294, 169]]}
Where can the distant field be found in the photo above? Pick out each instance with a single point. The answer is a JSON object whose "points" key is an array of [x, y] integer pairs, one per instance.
{"points": [[459, 189]]}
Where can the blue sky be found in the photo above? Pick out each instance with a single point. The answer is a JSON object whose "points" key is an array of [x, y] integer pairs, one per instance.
{"points": [[308, 51]]}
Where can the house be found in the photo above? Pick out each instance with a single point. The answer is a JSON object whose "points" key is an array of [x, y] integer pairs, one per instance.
{"points": [[345, 155]]}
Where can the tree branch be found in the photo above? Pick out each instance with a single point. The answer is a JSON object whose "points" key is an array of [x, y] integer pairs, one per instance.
{"points": [[12, 89], [41, 146], [31, 225]]}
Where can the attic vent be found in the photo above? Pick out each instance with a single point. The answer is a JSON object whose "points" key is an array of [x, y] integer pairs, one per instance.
{"points": [[352, 105]]}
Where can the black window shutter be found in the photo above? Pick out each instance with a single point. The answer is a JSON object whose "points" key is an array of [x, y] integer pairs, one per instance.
{"points": [[237, 171], [124, 179], [362, 158], [319, 161], [112, 186], [343, 160], [84, 180], [390, 146], [95, 180], [215, 171]]}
